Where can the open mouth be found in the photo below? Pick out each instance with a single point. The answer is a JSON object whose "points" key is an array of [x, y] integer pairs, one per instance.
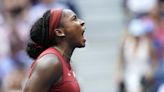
{"points": [[83, 33]]}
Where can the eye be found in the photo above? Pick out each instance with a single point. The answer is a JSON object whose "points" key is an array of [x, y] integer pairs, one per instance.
{"points": [[74, 18]]}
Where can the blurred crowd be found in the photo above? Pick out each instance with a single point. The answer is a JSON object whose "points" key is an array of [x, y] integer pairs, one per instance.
{"points": [[16, 18], [141, 55], [141, 58]]}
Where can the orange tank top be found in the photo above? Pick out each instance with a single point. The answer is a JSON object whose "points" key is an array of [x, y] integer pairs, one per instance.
{"points": [[68, 82]]}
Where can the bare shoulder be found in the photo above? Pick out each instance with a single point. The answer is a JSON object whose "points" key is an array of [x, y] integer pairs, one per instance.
{"points": [[49, 66], [47, 71], [48, 61]]}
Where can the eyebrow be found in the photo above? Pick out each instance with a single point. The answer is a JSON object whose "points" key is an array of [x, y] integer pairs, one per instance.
{"points": [[74, 15]]}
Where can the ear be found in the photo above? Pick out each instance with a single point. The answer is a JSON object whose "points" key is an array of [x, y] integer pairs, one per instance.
{"points": [[59, 32]]}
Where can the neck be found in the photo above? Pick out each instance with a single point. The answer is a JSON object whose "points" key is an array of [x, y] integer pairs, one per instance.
{"points": [[65, 50]]}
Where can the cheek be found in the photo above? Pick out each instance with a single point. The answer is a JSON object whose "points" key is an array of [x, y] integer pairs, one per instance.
{"points": [[73, 27], [72, 36], [72, 30]]}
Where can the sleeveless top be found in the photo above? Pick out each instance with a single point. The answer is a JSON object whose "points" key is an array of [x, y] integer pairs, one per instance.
{"points": [[68, 82]]}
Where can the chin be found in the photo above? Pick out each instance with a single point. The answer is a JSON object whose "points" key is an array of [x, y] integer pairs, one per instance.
{"points": [[82, 45]]}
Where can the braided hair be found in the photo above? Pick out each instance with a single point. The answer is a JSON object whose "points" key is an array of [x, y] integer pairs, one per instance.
{"points": [[39, 36]]}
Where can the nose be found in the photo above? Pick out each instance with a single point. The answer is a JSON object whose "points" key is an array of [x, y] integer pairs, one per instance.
{"points": [[82, 22]]}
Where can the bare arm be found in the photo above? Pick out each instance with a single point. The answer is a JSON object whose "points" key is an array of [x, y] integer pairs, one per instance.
{"points": [[47, 71], [120, 64]]}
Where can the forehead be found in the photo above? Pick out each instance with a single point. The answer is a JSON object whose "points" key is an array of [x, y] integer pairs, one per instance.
{"points": [[68, 13]]}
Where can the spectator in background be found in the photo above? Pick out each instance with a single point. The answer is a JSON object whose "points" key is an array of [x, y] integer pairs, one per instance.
{"points": [[14, 26], [14, 81], [72, 5], [34, 2], [158, 39], [37, 10], [43, 5], [137, 57], [137, 8]]}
